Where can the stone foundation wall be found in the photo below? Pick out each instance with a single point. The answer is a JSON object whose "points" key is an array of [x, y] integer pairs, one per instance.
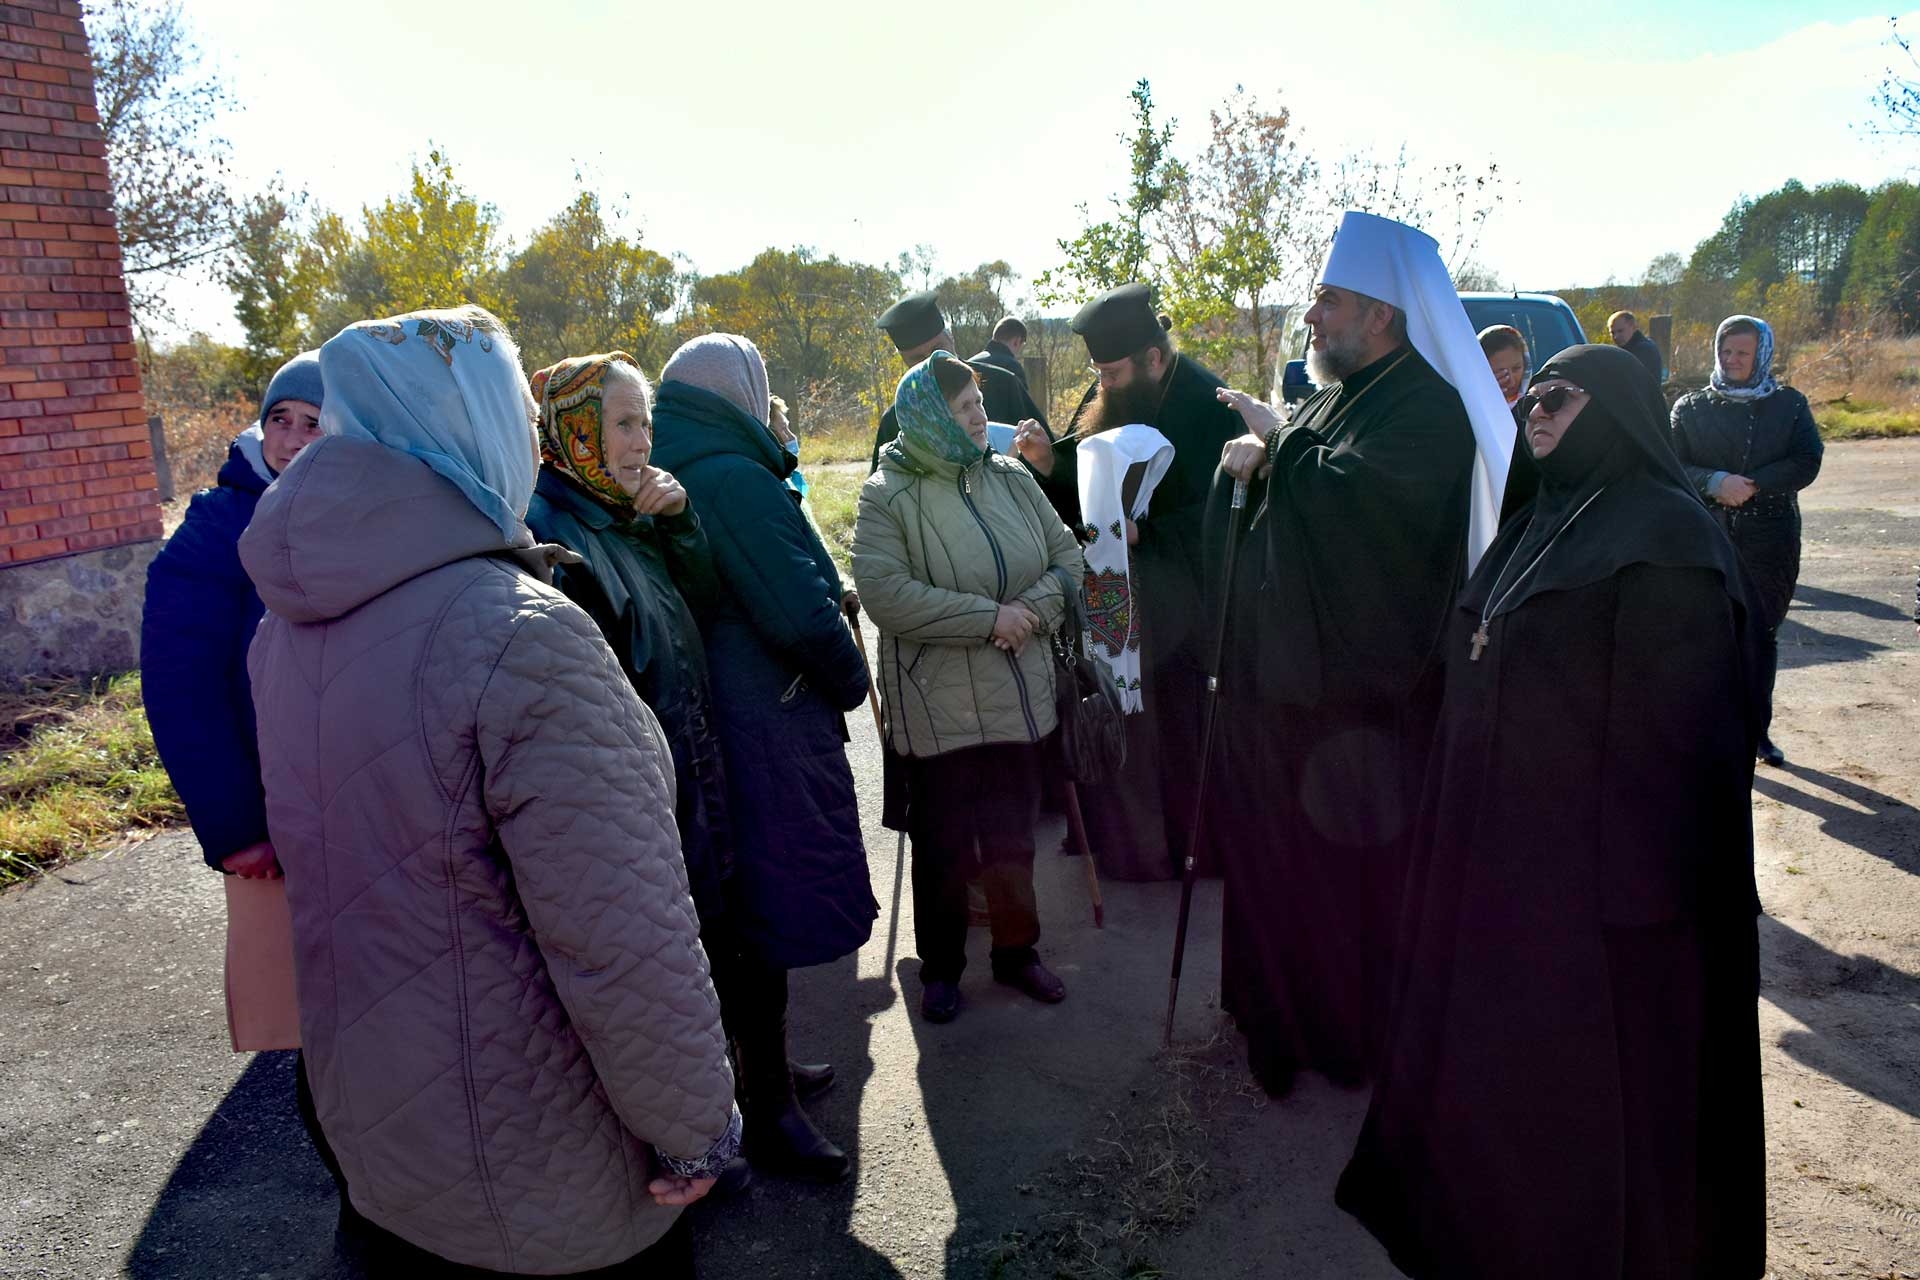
{"points": [[75, 615]]}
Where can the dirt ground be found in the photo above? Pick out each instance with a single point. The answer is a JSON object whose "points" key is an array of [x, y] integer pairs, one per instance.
{"points": [[1021, 1141]]}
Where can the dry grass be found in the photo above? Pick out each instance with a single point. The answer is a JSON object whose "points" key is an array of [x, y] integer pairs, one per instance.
{"points": [[841, 442], [1860, 386], [1146, 1176], [77, 765], [197, 441], [834, 495]]}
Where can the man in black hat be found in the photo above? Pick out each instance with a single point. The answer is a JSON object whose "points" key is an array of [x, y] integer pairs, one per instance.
{"points": [[919, 328], [1138, 824]]}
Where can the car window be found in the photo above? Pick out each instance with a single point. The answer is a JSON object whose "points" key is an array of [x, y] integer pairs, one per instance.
{"points": [[1546, 327]]}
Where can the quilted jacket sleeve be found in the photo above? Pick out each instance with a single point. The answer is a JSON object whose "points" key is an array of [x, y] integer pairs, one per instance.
{"points": [[199, 618], [579, 785]]}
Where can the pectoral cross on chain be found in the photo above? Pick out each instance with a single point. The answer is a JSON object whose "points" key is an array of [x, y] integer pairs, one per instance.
{"points": [[1480, 641]]}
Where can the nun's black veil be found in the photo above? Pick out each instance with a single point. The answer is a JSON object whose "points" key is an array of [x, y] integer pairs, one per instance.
{"points": [[1647, 514]]}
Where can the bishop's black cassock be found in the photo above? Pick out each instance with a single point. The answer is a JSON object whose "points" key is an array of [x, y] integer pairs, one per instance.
{"points": [[1353, 550]]}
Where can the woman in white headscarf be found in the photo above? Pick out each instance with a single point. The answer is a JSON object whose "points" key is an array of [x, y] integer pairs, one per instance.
{"points": [[1750, 445], [512, 1041]]}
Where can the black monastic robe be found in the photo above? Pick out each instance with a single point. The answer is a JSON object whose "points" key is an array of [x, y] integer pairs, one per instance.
{"points": [[1572, 1086], [1571, 1083], [1138, 824], [1354, 549]]}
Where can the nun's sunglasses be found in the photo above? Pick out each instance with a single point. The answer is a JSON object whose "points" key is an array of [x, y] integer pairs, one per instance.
{"points": [[1553, 399]]}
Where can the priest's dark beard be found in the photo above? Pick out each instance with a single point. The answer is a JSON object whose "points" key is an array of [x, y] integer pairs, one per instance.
{"points": [[1121, 406]]}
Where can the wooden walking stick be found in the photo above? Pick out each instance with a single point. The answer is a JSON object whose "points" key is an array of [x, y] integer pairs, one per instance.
{"points": [[1208, 724], [1077, 832]]}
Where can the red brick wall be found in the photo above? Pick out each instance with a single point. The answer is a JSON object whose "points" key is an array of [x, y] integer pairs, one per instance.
{"points": [[76, 461]]}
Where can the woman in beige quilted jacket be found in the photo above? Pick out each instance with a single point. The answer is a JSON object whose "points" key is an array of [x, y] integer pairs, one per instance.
{"points": [[512, 1041], [958, 558]]}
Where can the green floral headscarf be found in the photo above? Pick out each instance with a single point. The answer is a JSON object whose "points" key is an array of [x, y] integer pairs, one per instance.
{"points": [[927, 426]]}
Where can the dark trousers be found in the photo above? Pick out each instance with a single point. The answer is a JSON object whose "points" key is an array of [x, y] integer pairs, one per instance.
{"points": [[980, 801], [753, 1009]]}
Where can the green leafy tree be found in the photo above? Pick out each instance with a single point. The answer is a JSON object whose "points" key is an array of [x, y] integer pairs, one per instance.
{"points": [[158, 110], [579, 286], [263, 272], [812, 318], [436, 246], [1230, 230], [1119, 249], [1885, 277], [1792, 233], [974, 303]]}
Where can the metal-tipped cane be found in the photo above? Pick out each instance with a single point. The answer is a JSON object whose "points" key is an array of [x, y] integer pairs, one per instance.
{"points": [[1199, 823]]}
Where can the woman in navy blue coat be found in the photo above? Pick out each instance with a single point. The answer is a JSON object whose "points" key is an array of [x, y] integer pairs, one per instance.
{"points": [[784, 672], [201, 610]]}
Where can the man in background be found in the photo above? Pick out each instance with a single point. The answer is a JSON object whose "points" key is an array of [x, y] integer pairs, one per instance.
{"points": [[1004, 348], [919, 328], [1625, 328]]}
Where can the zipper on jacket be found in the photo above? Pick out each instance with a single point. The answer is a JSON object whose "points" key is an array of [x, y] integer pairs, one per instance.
{"points": [[1000, 570]]}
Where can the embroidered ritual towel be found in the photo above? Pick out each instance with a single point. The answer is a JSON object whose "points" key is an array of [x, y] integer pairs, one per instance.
{"points": [[1118, 471]]}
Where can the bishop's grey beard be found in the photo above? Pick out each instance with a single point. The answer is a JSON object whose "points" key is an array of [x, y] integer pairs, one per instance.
{"points": [[1344, 355]]}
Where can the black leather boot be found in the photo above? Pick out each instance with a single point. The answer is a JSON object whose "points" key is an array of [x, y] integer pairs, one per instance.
{"points": [[810, 1079]]}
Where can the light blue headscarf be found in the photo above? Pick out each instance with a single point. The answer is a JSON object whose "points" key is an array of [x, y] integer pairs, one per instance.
{"points": [[926, 424], [1757, 385], [445, 387]]}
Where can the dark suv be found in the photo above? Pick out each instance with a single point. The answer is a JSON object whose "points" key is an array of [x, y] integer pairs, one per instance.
{"points": [[1545, 321]]}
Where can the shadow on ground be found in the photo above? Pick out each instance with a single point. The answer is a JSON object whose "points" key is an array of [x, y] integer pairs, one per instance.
{"points": [[1857, 1040], [781, 1227], [249, 1198], [1873, 822]]}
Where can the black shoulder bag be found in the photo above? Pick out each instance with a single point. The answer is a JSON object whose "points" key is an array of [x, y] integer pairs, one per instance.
{"points": [[1093, 737]]}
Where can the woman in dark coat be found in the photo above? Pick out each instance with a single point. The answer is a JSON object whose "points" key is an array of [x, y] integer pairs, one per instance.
{"points": [[784, 669], [1750, 445], [201, 610], [199, 619], [1572, 1078]]}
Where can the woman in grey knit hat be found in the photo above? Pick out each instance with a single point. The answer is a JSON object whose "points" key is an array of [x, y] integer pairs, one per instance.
{"points": [[784, 670]]}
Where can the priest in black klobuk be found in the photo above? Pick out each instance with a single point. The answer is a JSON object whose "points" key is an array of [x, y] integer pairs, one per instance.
{"points": [[1138, 824], [1365, 515], [1571, 1085], [918, 327]]}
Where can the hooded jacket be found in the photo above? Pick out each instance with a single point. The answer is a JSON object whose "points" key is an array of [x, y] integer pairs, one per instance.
{"points": [[784, 668], [503, 1000], [938, 548], [201, 611]]}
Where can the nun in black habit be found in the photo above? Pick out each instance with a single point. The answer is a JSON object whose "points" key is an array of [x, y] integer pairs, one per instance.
{"points": [[1571, 1084]]}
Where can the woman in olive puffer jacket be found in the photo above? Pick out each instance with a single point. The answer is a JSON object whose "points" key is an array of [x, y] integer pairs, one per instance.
{"points": [[954, 556]]}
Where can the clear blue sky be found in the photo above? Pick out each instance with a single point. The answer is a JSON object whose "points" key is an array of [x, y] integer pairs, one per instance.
{"points": [[864, 129]]}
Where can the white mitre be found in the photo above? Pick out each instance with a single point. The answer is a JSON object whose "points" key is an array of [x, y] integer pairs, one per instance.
{"points": [[1401, 266]]}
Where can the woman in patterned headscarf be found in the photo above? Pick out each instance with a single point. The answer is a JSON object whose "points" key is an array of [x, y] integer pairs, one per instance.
{"points": [[955, 553], [1750, 445], [644, 574]]}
